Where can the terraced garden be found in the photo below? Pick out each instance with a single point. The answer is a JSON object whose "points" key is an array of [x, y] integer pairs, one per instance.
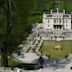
{"points": [[48, 48]]}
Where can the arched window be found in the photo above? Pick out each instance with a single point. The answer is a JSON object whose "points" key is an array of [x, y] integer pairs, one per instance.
{"points": [[54, 20], [59, 20]]}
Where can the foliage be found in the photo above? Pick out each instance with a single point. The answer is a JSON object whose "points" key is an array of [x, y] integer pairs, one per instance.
{"points": [[14, 25], [27, 66]]}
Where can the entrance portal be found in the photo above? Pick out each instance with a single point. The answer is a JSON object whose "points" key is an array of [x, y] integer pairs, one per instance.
{"points": [[58, 26]]}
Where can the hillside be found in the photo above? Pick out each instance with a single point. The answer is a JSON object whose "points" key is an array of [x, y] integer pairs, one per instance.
{"points": [[41, 6]]}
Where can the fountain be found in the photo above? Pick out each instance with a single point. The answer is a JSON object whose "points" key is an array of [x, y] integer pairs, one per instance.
{"points": [[57, 45]]}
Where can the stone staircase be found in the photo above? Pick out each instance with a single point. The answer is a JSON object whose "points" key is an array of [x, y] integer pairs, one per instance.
{"points": [[57, 32]]}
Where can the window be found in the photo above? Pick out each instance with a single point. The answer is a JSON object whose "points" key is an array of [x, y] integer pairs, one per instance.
{"points": [[48, 21], [66, 21], [59, 20], [48, 25], [54, 20], [66, 25]]}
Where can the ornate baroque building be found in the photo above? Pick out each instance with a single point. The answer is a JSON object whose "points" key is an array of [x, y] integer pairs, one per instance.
{"points": [[57, 19]]}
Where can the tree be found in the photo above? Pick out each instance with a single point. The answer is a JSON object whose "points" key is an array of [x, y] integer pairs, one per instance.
{"points": [[4, 45], [14, 25]]}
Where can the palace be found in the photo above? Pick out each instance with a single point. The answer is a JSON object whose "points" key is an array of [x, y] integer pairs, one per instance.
{"points": [[55, 24], [57, 20]]}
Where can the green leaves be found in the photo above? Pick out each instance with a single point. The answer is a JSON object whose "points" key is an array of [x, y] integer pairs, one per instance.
{"points": [[19, 19]]}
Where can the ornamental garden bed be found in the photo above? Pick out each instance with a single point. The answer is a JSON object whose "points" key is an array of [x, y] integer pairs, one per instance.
{"points": [[48, 49]]}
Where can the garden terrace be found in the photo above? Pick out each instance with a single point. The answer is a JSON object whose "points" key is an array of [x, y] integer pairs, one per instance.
{"points": [[48, 49]]}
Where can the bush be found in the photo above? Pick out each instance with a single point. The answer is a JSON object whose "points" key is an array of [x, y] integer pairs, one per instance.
{"points": [[27, 66]]}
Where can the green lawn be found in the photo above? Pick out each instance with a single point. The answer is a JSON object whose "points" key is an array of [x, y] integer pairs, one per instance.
{"points": [[48, 49]]}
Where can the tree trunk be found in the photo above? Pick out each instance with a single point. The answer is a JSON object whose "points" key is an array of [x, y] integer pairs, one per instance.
{"points": [[4, 57], [4, 49]]}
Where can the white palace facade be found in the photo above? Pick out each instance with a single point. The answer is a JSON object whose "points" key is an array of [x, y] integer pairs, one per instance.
{"points": [[55, 23], [57, 20]]}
